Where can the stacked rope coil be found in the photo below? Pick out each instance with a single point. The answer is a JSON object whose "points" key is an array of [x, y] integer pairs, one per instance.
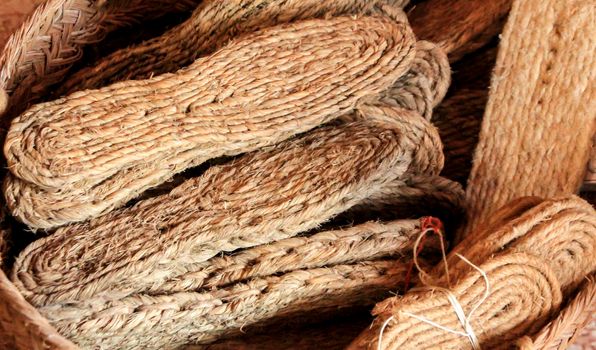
{"points": [[523, 271]]}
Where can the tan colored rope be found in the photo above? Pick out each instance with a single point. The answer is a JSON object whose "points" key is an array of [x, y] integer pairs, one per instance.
{"points": [[425, 84], [210, 27], [137, 134], [261, 197], [560, 333], [524, 293], [459, 26], [171, 320], [560, 234], [543, 94]]}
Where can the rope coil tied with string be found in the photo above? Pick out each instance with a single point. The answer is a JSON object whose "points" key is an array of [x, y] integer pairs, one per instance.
{"points": [[529, 266]]}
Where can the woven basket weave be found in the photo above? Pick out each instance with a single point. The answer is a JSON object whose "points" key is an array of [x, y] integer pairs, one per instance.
{"points": [[21, 325]]}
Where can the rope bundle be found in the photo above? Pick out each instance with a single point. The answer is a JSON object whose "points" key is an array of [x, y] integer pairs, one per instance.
{"points": [[211, 26], [80, 156], [530, 265]]}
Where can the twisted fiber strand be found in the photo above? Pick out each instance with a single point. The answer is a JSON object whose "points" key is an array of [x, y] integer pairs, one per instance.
{"points": [[559, 334], [168, 321], [262, 197], [561, 231], [110, 157], [367, 241], [42, 50], [459, 26], [425, 84], [543, 93], [524, 294], [21, 325], [210, 27]]}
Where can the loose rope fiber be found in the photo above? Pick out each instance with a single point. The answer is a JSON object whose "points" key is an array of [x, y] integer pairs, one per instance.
{"points": [[560, 333], [543, 93], [42, 50], [524, 293], [210, 27], [261, 197], [95, 150], [560, 234], [171, 320]]}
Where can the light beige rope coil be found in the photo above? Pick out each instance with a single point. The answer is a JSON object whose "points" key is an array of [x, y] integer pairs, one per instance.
{"points": [[210, 27], [560, 234], [171, 320], [524, 293], [261, 197], [95, 150], [561, 231], [560, 333]]}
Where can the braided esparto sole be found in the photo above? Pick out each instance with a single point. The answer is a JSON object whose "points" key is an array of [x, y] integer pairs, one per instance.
{"points": [[212, 25], [78, 157], [168, 321]]}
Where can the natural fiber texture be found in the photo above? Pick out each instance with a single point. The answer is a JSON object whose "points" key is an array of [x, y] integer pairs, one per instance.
{"points": [[458, 26], [560, 333], [561, 231], [211, 26], [21, 325], [42, 50], [261, 197], [171, 320], [12, 14], [560, 234], [524, 293], [425, 84], [95, 150], [543, 94]]}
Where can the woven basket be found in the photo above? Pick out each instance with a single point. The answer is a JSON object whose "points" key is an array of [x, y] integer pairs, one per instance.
{"points": [[28, 70]]}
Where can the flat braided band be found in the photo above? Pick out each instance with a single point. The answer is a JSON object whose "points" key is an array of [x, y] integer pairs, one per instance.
{"points": [[81, 156]]}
